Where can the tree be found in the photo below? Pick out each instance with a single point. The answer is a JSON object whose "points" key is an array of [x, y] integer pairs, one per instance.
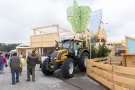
{"points": [[103, 51], [8, 48]]}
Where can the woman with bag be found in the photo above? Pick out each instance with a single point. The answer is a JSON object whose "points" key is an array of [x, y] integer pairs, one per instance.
{"points": [[4, 62]]}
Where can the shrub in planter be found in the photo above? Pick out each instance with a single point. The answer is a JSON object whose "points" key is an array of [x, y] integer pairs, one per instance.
{"points": [[103, 51]]}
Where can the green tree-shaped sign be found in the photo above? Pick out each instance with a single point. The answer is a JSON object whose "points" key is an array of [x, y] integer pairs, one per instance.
{"points": [[73, 17]]}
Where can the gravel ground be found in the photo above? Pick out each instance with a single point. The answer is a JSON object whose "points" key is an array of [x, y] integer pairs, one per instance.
{"points": [[52, 82]]}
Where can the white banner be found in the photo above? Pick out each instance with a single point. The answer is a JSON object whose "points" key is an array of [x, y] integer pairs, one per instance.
{"points": [[95, 20]]}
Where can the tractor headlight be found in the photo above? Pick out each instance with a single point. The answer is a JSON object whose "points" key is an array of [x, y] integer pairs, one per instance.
{"points": [[51, 58]]}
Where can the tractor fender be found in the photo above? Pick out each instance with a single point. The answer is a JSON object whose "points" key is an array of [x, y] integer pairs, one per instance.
{"points": [[84, 50]]}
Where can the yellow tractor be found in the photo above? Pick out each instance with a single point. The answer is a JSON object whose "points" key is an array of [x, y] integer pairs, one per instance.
{"points": [[72, 54]]}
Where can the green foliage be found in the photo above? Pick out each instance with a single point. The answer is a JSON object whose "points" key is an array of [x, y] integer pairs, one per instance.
{"points": [[94, 39], [73, 17], [103, 51], [7, 48], [93, 52], [84, 42], [38, 62]]}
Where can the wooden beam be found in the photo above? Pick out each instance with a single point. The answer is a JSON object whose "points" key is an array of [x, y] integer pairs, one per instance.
{"points": [[62, 31], [61, 28], [124, 80], [116, 87], [54, 25], [69, 34], [34, 32], [58, 35], [41, 31], [125, 70], [101, 65]]}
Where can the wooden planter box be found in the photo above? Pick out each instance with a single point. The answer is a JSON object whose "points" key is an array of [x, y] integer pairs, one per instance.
{"points": [[112, 76]]}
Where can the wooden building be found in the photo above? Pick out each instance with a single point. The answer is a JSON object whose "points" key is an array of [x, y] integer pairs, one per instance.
{"points": [[46, 41], [24, 50], [128, 55]]}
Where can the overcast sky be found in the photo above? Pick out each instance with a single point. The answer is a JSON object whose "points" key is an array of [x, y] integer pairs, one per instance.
{"points": [[17, 17]]}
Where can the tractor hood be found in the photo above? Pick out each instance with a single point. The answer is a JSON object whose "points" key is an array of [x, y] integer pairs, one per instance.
{"points": [[57, 55]]}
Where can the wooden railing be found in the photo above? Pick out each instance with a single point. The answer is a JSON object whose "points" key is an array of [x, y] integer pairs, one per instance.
{"points": [[109, 60], [115, 60], [112, 76]]}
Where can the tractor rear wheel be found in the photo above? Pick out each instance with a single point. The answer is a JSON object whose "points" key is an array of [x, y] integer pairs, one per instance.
{"points": [[46, 72], [68, 68], [82, 61]]}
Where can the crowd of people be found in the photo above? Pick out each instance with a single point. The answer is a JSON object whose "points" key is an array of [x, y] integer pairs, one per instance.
{"points": [[16, 65]]}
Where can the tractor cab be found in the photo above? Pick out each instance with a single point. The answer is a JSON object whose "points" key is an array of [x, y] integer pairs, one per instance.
{"points": [[74, 46]]}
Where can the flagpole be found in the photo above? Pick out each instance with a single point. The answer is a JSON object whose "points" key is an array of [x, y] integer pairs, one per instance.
{"points": [[90, 42], [79, 21]]}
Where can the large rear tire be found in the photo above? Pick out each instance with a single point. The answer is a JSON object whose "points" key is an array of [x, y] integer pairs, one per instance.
{"points": [[82, 61], [46, 72], [68, 68]]}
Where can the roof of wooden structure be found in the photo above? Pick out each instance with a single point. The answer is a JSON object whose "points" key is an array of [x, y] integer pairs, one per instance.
{"points": [[58, 32]]}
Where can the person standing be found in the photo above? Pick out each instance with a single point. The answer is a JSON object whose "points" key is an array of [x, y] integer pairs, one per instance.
{"points": [[14, 63], [1, 64], [32, 60], [11, 54], [21, 66], [4, 61], [6, 55]]}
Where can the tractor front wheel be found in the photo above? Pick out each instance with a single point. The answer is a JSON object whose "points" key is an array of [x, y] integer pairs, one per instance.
{"points": [[68, 68], [46, 72]]}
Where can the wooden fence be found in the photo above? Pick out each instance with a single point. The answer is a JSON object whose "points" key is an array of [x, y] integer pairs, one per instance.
{"points": [[109, 60], [112, 76]]}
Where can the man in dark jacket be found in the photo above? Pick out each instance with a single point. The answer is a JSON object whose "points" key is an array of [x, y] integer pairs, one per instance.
{"points": [[6, 55], [14, 63], [32, 60]]}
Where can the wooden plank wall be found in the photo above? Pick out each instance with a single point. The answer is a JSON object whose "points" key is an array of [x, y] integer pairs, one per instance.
{"points": [[44, 40], [112, 76]]}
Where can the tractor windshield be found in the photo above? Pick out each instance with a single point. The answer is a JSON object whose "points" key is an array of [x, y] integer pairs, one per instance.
{"points": [[67, 45]]}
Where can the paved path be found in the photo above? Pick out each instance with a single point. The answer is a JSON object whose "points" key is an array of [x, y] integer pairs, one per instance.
{"points": [[53, 82]]}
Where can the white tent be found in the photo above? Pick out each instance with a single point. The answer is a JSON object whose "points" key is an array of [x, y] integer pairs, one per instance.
{"points": [[13, 50]]}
